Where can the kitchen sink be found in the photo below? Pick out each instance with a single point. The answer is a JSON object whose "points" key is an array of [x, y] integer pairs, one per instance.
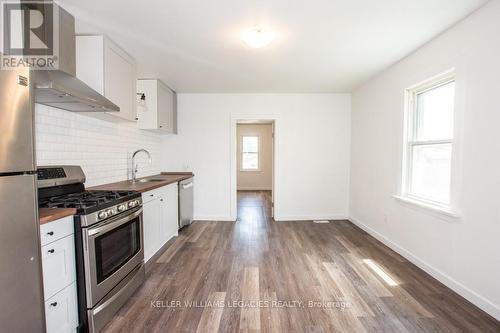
{"points": [[149, 180]]}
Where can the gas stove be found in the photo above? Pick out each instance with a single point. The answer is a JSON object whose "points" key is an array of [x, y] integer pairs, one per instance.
{"points": [[63, 187], [88, 201]]}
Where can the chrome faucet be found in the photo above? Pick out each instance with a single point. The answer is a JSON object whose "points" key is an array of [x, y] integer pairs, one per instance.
{"points": [[135, 166]]}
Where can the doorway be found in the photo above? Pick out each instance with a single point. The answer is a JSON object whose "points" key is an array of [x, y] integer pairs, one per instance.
{"points": [[255, 167]]}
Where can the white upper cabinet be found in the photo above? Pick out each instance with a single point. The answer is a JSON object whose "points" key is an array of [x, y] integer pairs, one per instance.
{"points": [[109, 70], [160, 110]]}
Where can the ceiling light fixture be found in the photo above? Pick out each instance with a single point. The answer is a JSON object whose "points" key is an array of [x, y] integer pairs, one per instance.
{"points": [[257, 37]]}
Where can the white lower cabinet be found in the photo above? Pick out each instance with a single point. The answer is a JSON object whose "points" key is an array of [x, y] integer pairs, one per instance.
{"points": [[50, 232], [170, 210], [61, 314], [59, 276], [160, 218], [151, 225], [58, 263]]}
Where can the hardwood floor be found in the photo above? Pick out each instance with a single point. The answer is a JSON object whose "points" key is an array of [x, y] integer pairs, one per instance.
{"points": [[258, 275]]}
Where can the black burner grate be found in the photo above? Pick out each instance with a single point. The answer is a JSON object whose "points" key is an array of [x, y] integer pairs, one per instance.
{"points": [[84, 200]]}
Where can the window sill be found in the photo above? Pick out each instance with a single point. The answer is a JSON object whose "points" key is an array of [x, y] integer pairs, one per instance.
{"points": [[429, 207], [251, 170]]}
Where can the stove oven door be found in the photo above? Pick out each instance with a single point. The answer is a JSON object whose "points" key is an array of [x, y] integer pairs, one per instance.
{"points": [[112, 250]]}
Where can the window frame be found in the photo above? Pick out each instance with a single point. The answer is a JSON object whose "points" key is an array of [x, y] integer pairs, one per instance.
{"points": [[259, 151], [411, 141]]}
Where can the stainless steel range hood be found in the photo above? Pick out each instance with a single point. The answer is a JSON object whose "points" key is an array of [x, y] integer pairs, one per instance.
{"points": [[60, 87], [64, 91]]}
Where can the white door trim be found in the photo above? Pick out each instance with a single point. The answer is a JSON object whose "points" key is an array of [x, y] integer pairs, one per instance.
{"points": [[235, 118]]}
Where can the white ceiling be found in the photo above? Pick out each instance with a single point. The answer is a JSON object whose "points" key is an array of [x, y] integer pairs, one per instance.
{"points": [[323, 45]]}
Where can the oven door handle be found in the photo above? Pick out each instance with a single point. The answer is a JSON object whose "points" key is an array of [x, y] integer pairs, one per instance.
{"points": [[113, 223]]}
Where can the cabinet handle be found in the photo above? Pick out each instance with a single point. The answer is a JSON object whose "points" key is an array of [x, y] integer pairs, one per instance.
{"points": [[51, 251], [161, 199], [53, 304], [50, 233], [151, 195]]}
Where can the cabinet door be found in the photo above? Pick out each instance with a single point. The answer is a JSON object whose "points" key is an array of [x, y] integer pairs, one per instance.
{"points": [[164, 232], [58, 263], [61, 311], [120, 80], [50, 232], [173, 209], [151, 226], [89, 61], [165, 108], [170, 212], [148, 114], [109, 70]]}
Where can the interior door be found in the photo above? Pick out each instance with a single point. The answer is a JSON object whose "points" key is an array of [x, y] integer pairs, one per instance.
{"points": [[16, 122], [21, 300]]}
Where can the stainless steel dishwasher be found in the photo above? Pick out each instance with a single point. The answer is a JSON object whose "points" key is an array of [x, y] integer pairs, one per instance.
{"points": [[185, 202]]}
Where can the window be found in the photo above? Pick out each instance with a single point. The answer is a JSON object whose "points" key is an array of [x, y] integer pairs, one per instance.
{"points": [[429, 141], [250, 153]]}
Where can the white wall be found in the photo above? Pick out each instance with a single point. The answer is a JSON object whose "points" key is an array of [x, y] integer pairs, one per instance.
{"points": [[261, 179], [463, 253], [312, 134], [103, 149]]}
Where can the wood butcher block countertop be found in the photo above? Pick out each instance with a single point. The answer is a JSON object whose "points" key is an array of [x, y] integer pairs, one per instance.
{"points": [[47, 215], [165, 178]]}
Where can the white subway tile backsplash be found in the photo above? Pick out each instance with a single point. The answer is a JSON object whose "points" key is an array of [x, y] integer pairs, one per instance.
{"points": [[103, 149]]}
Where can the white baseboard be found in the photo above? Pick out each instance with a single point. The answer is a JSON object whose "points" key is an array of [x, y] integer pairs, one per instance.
{"points": [[276, 218], [285, 217], [249, 188], [478, 300], [212, 218]]}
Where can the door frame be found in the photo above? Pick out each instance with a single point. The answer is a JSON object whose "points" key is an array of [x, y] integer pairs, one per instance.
{"points": [[242, 118]]}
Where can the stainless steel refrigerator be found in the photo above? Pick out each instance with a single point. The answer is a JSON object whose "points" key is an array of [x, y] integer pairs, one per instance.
{"points": [[21, 285]]}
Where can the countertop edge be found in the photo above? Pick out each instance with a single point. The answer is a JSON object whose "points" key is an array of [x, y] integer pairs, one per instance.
{"points": [[126, 185], [47, 215], [181, 173]]}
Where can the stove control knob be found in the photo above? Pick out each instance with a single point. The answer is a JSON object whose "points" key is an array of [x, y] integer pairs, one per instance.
{"points": [[137, 202], [122, 207], [102, 215], [109, 212], [131, 204]]}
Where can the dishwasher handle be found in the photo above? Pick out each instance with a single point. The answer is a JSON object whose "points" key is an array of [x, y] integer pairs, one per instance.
{"points": [[188, 185]]}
